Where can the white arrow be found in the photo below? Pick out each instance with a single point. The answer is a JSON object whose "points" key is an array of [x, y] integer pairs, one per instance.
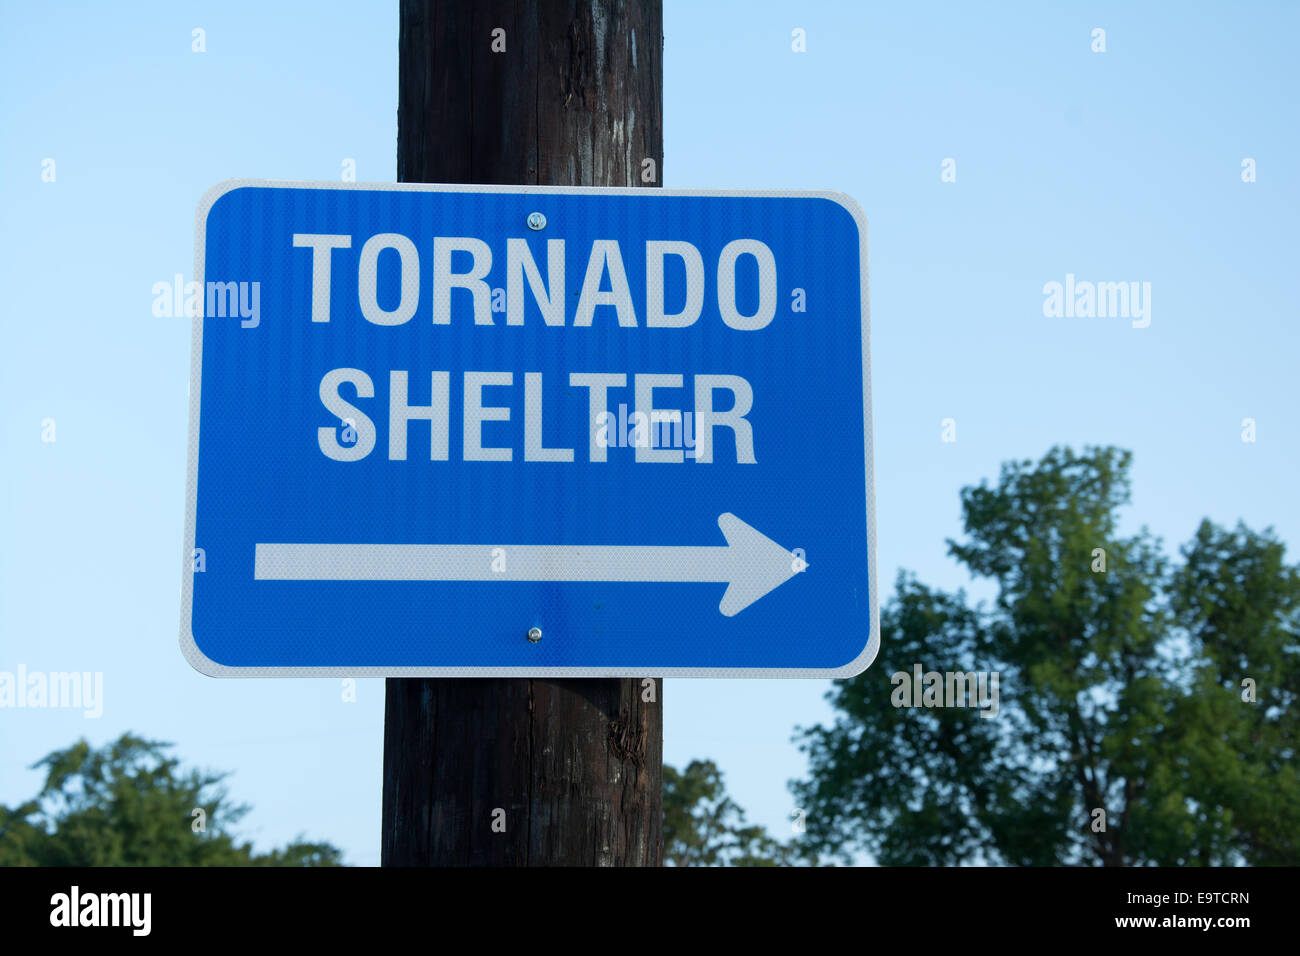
{"points": [[751, 564]]}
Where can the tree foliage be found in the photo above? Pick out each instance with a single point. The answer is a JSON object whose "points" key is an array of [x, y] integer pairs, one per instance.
{"points": [[705, 827], [131, 804], [1121, 690]]}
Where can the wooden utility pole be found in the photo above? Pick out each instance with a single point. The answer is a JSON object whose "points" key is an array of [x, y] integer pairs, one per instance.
{"points": [[526, 92]]}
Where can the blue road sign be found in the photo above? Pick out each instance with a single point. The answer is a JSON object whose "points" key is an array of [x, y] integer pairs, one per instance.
{"points": [[529, 431]]}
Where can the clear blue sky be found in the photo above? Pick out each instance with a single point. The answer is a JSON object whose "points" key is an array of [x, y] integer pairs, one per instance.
{"points": [[1115, 166]]}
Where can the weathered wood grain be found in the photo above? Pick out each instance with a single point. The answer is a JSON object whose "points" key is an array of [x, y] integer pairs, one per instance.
{"points": [[576, 99]]}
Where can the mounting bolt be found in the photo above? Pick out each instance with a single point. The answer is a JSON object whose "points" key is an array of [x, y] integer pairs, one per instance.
{"points": [[536, 222], [534, 633]]}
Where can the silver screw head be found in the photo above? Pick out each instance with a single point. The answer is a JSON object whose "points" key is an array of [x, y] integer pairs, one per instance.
{"points": [[536, 221], [534, 634]]}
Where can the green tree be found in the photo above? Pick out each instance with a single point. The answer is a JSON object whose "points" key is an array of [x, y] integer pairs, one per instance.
{"points": [[131, 804], [1239, 603], [1120, 686], [705, 827]]}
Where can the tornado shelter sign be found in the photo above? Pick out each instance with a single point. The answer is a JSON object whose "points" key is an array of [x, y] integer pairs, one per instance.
{"points": [[529, 431]]}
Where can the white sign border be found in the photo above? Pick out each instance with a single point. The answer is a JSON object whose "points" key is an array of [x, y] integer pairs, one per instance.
{"points": [[205, 665]]}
